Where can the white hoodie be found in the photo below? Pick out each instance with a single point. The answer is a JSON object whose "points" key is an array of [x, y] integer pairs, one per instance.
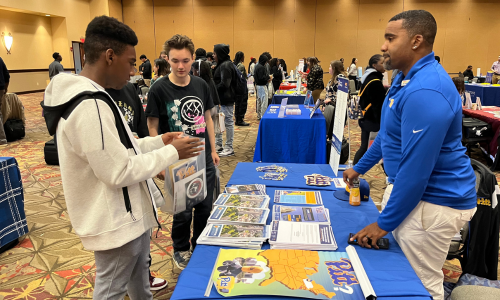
{"points": [[95, 166]]}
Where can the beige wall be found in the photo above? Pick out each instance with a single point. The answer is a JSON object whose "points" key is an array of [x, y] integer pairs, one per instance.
{"points": [[98, 8], [328, 29]]}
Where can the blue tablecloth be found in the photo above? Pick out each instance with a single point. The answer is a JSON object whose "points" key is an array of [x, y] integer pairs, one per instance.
{"points": [[489, 95], [390, 273], [12, 217], [292, 99], [245, 173], [292, 139]]}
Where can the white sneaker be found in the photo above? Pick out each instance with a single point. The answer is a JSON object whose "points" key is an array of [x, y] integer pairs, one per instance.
{"points": [[226, 152]]}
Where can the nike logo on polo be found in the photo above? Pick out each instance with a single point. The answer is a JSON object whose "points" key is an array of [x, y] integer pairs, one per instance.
{"points": [[415, 131]]}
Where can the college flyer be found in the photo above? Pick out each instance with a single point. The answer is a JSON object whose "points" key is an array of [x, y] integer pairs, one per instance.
{"points": [[249, 189], [230, 214], [293, 273], [316, 214], [304, 236], [251, 201], [298, 197]]}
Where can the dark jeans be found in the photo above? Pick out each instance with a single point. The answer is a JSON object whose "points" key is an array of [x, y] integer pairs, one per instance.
{"points": [[181, 227], [240, 108], [367, 126]]}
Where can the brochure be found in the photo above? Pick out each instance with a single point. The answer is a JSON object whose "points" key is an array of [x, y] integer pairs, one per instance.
{"points": [[231, 214], [292, 273], [298, 197], [251, 201], [304, 236], [237, 235], [235, 189], [312, 214]]}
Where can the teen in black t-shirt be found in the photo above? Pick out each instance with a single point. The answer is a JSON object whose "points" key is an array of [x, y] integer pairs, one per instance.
{"points": [[181, 102]]}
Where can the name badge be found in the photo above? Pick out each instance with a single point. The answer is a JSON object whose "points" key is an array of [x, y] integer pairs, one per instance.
{"points": [[404, 82]]}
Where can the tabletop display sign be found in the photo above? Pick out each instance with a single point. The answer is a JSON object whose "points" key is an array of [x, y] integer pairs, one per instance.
{"points": [[292, 273], [299, 83], [478, 72], [339, 122], [478, 104], [489, 77], [468, 100], [308, 101], [301, 65], [316, 106], [281, 114]]}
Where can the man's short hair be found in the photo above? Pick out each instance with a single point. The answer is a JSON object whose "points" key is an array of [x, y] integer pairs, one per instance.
{"points": [[105, 33], [143, 56], [418, 22], [469, 66], [179, 42], [55, 55], [269, 57], [210, 55], [200, 52]]}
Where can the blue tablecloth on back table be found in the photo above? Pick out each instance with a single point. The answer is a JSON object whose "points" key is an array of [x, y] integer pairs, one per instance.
{"points": [[292, 99], [390, 273], [295, 139], [489, 95], [12, 217]]}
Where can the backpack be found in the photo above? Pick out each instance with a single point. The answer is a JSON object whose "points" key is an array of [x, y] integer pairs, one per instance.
{"points": [[240, 86], [355, 111], [14, 130]]}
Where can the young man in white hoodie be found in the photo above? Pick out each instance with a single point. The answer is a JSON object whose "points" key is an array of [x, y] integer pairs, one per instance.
{"points": [[106, 172]]}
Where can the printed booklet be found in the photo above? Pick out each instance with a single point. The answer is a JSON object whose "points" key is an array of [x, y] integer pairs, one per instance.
{"points": [[231, 214], [237, 235], [250, 201], [298, 197], [304, 236], [312, 214]]}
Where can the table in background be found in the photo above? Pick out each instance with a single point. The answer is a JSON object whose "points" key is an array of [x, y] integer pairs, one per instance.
{"points": [[289, 86], [390, 273], [489, 95], [292, 99], [13, 223], [292, 139], [487, 115]]}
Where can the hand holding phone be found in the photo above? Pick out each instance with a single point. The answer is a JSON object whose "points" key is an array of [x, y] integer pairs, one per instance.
{"points": [[382, 243]]}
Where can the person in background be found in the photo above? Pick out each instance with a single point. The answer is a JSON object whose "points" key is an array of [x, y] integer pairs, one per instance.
{"points": [[202, 69], [276, 73], [336, 69], [55, 67], [438, 59], [4, 85], [200, 53], [315, 78], [394, 74], [223, 78], [269, 89], [460, 85], [145, 69], [161, 68], [106, 173], [241, 104], [163, 55], [306, 65], [372, 94], [468, 73], [431, 191], [182, 102], [496, 71], [352, 71], [342, 61], [251, 66], [261, 79], [283, 66]]}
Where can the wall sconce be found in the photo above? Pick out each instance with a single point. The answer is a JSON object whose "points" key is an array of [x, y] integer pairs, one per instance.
{"points": [[7, 41]]}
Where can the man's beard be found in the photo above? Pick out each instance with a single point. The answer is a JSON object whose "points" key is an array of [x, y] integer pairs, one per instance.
{"points": [[387, 63]]}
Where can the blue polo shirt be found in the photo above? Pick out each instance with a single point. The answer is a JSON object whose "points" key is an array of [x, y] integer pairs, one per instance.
{"points": [[420, 142]]}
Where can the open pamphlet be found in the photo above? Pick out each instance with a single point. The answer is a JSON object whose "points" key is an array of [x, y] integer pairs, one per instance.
{"points": [[298, 197], [239, 215], [300, 214], [303, 236], [185, 184], [291, 273], [235, 235]]}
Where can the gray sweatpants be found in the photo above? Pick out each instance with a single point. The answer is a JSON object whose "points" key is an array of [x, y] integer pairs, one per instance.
{"points": [[124, 270]]}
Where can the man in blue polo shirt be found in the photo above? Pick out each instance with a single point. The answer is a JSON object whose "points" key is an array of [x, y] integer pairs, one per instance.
{"points": [[432, 185]]}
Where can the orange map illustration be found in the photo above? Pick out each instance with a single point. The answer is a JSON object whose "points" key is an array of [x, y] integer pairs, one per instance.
{"points": [[291, 268]]}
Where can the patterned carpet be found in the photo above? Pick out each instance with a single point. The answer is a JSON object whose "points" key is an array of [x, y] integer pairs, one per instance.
{"points": [[50, 262]]}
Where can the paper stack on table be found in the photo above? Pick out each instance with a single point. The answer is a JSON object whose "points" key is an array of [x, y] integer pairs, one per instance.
{"points": [[248, 189], [238, 215], [237, 235], [301, 214], [302, 236]]}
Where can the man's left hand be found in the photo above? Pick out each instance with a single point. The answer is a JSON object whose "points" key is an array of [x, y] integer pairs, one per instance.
{"points": [[215, 158], [170, 136], [371, 231]]}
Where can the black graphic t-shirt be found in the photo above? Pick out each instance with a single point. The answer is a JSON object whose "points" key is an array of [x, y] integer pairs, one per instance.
{"points": [[181, 108], [130, 105]]}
